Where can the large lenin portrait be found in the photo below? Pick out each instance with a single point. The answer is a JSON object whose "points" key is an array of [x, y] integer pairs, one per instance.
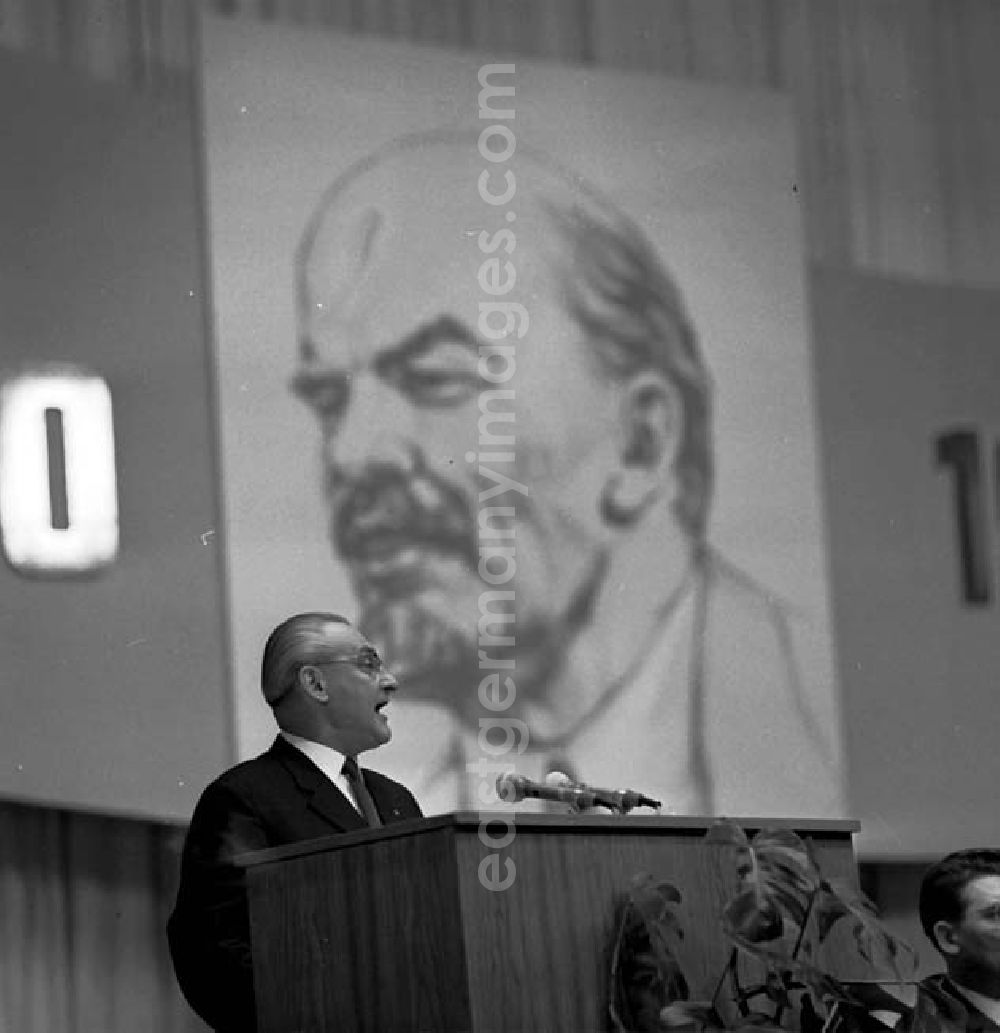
{"points": [[506, 390]]}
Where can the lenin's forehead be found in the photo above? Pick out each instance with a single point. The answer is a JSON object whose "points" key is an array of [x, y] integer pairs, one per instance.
{"points": [[420, 219]]}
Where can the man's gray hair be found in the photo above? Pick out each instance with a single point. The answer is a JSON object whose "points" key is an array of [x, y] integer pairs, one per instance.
{"points": [[294, 642]]}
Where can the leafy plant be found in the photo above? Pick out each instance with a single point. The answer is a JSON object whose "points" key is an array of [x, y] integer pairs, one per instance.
{"points": [[645, 974], [783, 911]]}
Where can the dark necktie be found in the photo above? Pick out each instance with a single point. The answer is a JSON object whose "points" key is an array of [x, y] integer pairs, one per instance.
{"points": [[364, 799]]}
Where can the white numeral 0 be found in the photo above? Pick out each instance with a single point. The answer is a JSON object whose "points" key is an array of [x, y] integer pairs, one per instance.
{"points": [[71, 409]]}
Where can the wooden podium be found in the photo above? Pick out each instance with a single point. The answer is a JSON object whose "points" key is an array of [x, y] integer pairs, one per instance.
{"points": [[395, 929]]}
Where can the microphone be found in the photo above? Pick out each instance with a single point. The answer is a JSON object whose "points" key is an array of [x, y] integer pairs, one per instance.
{"points": [[513, 788], [622, 800], [559, 788]]}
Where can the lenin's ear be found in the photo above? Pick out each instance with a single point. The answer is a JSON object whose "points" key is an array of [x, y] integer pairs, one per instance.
{"points": [[651, 417]]}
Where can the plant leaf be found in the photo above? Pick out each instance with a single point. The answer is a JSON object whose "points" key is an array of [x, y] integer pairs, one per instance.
{"points": [[777, 990], [788, 873], [876, 944], [792, 972], [778, 878], [698, 1015], [749, 916], [645, 975], [653, 903], [725, 832]]}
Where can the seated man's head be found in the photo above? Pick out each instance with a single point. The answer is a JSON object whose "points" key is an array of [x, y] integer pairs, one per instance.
{"points": [[507, 389], [325, 681], [960, 913]]}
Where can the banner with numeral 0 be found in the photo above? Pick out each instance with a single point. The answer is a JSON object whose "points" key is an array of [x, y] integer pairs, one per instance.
{"points": [[58, 491]]}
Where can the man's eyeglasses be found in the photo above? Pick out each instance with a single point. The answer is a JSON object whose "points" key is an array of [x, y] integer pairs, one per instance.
{"points": [[367, 660]]}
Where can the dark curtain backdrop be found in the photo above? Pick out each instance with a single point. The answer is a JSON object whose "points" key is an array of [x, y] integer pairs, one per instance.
{"points": [[898, 106], [83, 903], [898, 101]]}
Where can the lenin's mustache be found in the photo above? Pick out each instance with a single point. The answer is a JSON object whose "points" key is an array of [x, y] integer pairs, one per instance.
{"points": [[383, 511]]}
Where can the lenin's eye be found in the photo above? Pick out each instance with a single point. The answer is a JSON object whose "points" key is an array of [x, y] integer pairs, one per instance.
{"points": [[325, 393], [443, 374]]}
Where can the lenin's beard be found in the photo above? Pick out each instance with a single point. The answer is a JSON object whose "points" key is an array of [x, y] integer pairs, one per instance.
{"points": [[409, 543]]}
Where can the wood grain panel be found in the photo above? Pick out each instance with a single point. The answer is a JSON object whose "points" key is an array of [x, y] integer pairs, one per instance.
{"points": [[395, 913], [381, 919], [541, 953]]}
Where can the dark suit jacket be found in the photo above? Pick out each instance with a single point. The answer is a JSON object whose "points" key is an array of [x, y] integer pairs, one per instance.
{"points": [[941, 1008], [277, 798]]}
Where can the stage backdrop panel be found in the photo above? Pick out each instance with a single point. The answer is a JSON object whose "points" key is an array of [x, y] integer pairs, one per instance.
{"points": [[909, 376], [618, 259], [113, 682]]}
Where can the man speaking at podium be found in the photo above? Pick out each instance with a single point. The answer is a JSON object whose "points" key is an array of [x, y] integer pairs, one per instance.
{"points": [[328, 690]]}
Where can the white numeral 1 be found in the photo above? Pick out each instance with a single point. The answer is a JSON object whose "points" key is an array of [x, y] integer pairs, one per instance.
{"points": [[58, 496]]}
